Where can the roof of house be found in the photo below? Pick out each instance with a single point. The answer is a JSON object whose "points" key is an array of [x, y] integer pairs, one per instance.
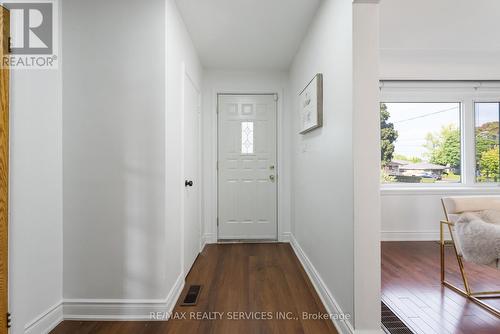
{"points": [[423, 166], [399, 162]]}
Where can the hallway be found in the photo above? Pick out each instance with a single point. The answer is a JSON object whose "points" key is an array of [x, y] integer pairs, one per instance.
{"points": [[262, 280], [176, 124]]}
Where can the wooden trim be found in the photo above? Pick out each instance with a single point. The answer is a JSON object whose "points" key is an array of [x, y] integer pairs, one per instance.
{"points": [[4, 171]]}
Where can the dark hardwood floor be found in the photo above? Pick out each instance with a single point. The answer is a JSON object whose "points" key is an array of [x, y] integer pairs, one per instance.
{"points": [[235, 278], [411, 288]]}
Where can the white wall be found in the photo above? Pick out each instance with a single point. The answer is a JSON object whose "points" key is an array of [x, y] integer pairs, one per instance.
{"points": [[115, 236], [35, 226], [412, 215], [437, 40], [366, 150], [244, 82], [322, 188], [180, 55]]}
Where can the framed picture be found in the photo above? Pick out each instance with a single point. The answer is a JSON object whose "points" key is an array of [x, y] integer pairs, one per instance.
{"points": [[311, 105]]}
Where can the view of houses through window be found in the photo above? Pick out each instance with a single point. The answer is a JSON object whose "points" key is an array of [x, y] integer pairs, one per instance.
{"points": [[421, 142]]}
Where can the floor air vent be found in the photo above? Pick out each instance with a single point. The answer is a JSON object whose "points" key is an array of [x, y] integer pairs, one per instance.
{"points": [[392, 323], [191, 297]]}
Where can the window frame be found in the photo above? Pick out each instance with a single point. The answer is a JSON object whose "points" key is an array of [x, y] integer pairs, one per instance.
{"points": [[466, 93]]}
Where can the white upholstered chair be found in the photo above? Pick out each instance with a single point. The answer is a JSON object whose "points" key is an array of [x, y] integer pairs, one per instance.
{"points": [[454, 207]]}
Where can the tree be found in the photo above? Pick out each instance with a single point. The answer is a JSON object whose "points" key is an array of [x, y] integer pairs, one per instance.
{"points": [[388, 135], [386, 178], [486, 143], [486, 138], [489, 129], [444, 147], [489, 164], [483, 144]]}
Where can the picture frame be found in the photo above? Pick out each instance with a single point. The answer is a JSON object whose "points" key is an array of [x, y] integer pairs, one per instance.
{"points": [[311, 105]]}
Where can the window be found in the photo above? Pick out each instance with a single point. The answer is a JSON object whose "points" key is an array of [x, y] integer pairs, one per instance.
{"points": [[440, 134], [247, 137], [421, 142], [486, 142]]}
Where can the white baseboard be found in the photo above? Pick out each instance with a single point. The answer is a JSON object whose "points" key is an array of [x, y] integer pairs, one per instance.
{"points": [[121, 309], [285, 237], [208, 238], [211, 238], [331, 305], [238, 238], [411, 235], [46, 321]]}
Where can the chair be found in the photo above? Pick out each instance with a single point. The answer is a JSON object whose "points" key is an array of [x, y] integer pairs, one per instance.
{"points": [[453, 208]]}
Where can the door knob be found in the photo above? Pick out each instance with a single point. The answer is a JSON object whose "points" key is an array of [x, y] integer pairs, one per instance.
{"points": [[271, 177], [188, 183]]}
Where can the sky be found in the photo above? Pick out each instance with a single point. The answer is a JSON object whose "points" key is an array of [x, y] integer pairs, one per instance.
{"points": [[414, 121], [486, 112]]}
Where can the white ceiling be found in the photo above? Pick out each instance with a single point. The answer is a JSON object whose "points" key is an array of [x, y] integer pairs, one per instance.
{"points": [[443, 24], [247, 34]]}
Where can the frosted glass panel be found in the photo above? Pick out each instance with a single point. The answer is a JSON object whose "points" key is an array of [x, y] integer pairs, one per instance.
{"points": [[247, 137]]}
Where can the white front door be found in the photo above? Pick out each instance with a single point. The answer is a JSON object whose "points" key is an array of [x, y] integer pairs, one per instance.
{"points": [[192, 183], [247, 167]]}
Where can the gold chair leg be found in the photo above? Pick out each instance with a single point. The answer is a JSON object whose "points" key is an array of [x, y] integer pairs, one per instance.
{"points": [[441, 245], [482, 304]]}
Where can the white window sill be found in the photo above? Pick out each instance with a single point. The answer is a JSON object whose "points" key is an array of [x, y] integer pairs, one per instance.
{"points": [[457, 189]]}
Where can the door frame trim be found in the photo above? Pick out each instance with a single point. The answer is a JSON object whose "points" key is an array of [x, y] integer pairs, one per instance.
{"points": [[6, 293], [280, 236]]}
